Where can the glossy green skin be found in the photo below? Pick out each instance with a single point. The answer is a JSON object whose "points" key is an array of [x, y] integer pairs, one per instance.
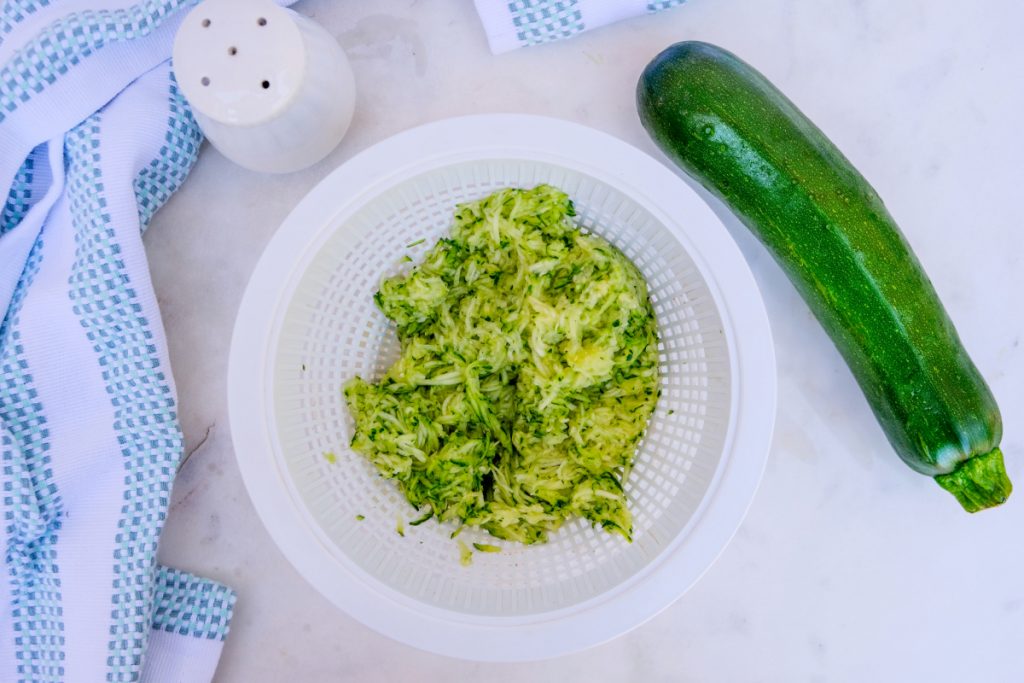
{"points": [[733, 131]]}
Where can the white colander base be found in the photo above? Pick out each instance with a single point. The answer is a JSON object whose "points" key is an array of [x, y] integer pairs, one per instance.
{"points": [[309, 323]]}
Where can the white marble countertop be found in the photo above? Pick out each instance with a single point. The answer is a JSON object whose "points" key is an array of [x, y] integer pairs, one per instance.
{"points": [[849, 567]]}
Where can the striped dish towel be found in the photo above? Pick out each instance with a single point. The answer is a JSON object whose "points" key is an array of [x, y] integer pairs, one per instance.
{"points": [[94, 137], [517, 23]]}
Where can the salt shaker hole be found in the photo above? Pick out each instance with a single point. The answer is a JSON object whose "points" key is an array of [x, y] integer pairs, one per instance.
{"points": [[262, 21], [232, 50], [205, 80], [265, 84], [206, 23]]}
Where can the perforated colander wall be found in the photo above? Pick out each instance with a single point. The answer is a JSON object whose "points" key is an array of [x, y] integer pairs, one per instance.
{"points": [[333, 331]]}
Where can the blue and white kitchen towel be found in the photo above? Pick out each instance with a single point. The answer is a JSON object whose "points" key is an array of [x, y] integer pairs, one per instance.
{"points": [[94, 137], [517, 23]]}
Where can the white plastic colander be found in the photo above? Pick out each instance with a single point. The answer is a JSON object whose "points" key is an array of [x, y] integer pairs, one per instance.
{"points": [[308, 323]]}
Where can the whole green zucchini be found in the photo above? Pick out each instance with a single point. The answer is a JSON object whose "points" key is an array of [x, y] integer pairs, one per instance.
{"points": [[732, 130]]}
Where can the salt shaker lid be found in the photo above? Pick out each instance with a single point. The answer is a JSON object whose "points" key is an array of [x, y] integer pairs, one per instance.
{"points": [[239, 62]]}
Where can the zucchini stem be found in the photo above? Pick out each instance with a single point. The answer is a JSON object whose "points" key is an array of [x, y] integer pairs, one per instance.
{"points": [[979, 482]]}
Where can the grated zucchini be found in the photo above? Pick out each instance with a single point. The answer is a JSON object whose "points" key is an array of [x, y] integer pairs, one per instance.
{"points": [[528, 372], [487, 548], [465, 554]]}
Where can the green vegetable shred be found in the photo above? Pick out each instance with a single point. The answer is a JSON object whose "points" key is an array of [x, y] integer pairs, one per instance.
{"points": [[465, 554], [487, 548], [529, 369]]}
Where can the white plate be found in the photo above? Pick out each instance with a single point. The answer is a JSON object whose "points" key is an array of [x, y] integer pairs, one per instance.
{"points": [[307, 324]]}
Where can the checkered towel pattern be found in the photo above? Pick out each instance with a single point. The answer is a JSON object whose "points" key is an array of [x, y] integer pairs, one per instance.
{"points": [[517, 23], [94, 137]]}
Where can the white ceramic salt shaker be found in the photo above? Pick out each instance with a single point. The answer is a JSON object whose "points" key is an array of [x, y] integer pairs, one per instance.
{"points": [[271, 89]]}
